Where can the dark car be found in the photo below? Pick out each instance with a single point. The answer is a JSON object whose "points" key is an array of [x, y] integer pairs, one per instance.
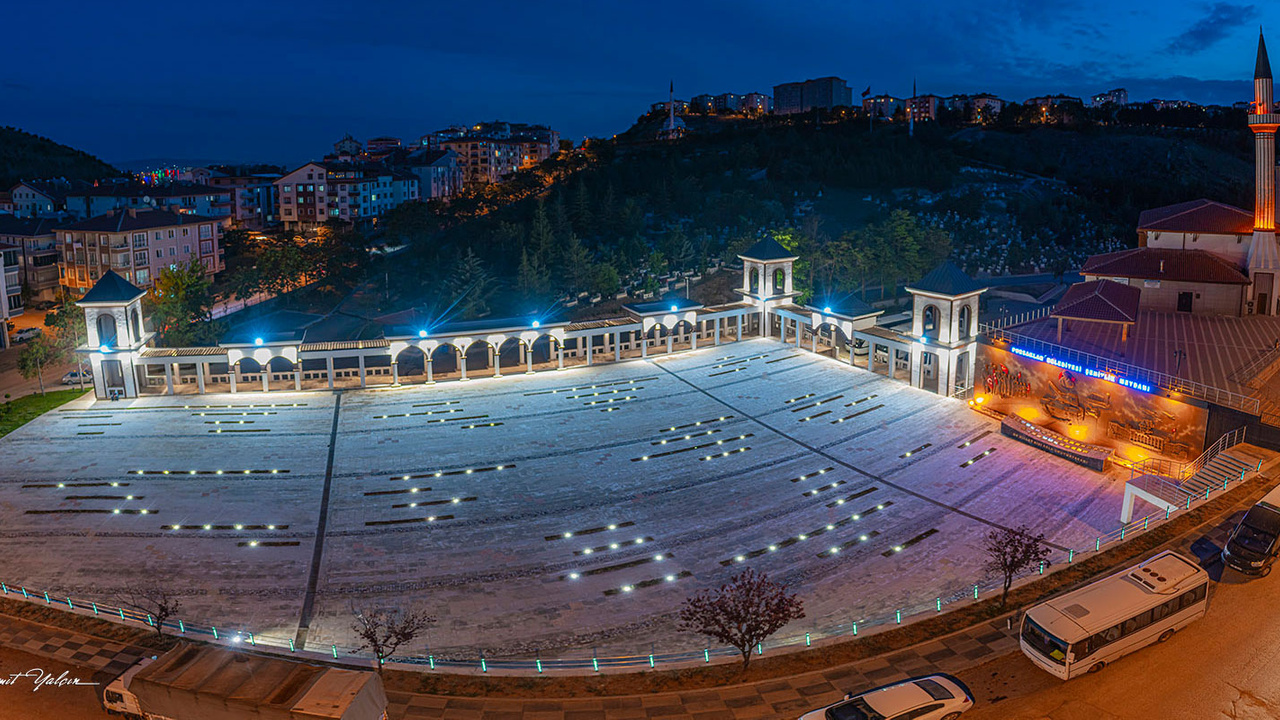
{"points": [[1252, 546]]}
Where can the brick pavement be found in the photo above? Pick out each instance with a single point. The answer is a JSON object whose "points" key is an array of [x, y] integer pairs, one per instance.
{"points": [[103, 656]]}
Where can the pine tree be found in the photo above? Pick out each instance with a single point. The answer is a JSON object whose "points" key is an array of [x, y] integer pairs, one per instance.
{"points": [[471, 286]]}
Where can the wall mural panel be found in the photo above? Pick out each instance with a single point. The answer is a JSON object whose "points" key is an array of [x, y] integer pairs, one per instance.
{"points": [[1076, 403]]}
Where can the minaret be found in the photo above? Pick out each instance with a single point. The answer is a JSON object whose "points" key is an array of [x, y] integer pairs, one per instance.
{"points": [[1263, 121], [1264, 256], [911, 111], [671, 105]]}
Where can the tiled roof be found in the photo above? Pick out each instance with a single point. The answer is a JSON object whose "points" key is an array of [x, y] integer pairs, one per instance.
{"points": [[1197, 216], [1171, 264], [1100, 300], [111, 288], [127, 220], [947, 279], [178, 189], [26, 227], [767, 249]]}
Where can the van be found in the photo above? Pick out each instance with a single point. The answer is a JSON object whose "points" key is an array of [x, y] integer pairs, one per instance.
{"points": [[1252, 545]]}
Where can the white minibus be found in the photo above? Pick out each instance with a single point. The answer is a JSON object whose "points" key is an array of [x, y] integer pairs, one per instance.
{"points": [[1087, 628]]}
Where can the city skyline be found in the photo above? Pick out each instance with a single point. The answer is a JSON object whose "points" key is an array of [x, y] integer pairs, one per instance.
{"points": [[274, 84]]}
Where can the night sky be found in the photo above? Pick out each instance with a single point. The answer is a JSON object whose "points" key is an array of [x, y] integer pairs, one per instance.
{"points": [[281, 81]]}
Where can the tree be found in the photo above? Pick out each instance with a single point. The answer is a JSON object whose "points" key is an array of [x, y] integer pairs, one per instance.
{"points": [[1012, 550], [36, 355], [532, 279], [338, 257], [157, 603], [741, 613], [472, 286], [67, 321], [181, 305], [382, 632]]}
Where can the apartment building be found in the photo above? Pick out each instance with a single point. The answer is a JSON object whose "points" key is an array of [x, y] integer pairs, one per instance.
{"points": [[350, 192], [253, 195], [924, 107], [10, 288], [883, 106], [181, 197], [825, 93], [756, 104], [438, 172], [42, 198], [1118, 97], [137, 245], [37, 255]]}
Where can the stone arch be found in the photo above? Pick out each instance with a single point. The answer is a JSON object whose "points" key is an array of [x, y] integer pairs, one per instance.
{"points": [[930, 321], [753, 279], [779, 276], [964, 329], [135, 322], [107, 329], [248, 364]]}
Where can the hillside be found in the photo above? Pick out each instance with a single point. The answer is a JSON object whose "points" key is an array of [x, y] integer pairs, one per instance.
{"points": [[27, 156]]}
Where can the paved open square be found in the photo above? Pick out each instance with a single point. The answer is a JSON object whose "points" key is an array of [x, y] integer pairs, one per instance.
{"points": [[554, 512]]}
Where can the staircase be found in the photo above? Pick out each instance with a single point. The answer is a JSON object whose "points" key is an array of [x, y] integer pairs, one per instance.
{"points": [[1220, 469]]}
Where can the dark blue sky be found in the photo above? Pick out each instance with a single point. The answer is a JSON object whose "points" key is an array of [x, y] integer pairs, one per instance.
{"points": [[280, 81]]}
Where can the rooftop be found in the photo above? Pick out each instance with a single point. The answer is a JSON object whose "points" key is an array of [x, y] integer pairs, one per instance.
{"points": [[1173, 264], [111, 288], [127, 220], [947, 279], [767, 249], [1104, 300], [1197, 216]]}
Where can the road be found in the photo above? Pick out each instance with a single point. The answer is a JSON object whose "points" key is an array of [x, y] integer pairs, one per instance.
{"points": [[1223, 666]]}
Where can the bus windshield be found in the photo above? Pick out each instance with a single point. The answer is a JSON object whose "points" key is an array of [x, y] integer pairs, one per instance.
{"points": [[1044, 643]]}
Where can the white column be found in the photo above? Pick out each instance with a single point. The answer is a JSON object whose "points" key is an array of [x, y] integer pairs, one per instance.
{"points": [[560, 355], [266, 374], [328, 366], [232, 369], [798, 334], [815, 340], [526, 355], [395, 372], [617, 346], [462, 363], [496, 358], [361, 360], [168, 378], [200, 377], [297, 375], [644, 344], [588, 339], [430, 379], [717, 332], [670, 334]]}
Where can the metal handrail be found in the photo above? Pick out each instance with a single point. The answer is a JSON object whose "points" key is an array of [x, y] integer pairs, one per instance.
{"points": [[1164, 381], [1020, 318]]}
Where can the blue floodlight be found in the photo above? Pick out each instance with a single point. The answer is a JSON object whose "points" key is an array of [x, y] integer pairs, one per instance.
{"points": [[673, 308], [257, 341], [826, 309], [422, 333], [537, 324], [104, 347]]}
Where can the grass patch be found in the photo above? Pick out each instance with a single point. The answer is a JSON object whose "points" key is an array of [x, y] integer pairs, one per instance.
{"points": [[16, 413]]}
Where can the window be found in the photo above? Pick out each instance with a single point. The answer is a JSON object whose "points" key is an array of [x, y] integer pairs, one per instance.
{"points": [[288, 188], [144, 277], [186, 249], [186, 232], [140, 240], [206, 247], [140, 258], [157, 234], [171, 233], [206, 231], [173, 250], [159, 253], [288, 212]]}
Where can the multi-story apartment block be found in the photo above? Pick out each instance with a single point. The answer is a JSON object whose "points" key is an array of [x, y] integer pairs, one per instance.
{"points": [[253, 196], [137, 245], [682, 107], [1118, 97], [486, 159], [438, 172], [349, 192], [41, 198], [984, 107], [348, 146], [382, 144], [180, 197], [37, 253], [924, 107], [6, 203], [10, 289], [825, 93], [727, 102], [755, 104], [704, 103], [883, 106]]}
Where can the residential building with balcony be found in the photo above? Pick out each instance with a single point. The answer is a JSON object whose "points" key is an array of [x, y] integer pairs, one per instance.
{"points": [[253, 196], [10, 289], [703, 104], [438, 172], [883, 106], [382, 144], [756, 104], [924, 107], [137, 245], [1118, 97], [37, 253], [355, 193], [727, 102], [42, 198]]}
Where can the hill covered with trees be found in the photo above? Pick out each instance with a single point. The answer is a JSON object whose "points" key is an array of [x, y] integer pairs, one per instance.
{"points": [[24, 156]]}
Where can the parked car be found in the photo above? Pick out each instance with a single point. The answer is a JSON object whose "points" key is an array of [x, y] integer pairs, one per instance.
{"points": [[932, 697], [75, 377], [27, 334], [1251, 548]]}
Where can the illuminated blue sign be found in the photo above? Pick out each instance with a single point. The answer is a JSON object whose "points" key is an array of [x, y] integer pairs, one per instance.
{"points": [[1100, 374]]}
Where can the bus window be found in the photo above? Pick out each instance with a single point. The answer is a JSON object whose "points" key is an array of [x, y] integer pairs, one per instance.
{"points": [[1044, 643]]}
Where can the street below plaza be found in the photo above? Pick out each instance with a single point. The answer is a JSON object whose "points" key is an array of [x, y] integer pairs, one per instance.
{"points": [[1223, 666]]}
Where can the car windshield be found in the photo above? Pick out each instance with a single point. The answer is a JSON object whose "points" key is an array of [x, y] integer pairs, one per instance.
{"points": [[1044, 643], [853, 710], [1252, 540], [935, 689]]}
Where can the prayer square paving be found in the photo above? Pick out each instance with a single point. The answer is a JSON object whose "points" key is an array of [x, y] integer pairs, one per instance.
{"points": [[555, 512]]}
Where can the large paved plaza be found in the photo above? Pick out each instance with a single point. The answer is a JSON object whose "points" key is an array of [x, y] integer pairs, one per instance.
{"points": [[558, 512]]}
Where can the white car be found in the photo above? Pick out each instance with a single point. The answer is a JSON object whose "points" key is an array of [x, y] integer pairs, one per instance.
{"points": [[932, 697], [26, 334], [75, 377]]}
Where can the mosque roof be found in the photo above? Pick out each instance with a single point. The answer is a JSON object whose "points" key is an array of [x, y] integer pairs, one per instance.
{"points": [[1172, 264], [1104, 300], [1198, 216]]}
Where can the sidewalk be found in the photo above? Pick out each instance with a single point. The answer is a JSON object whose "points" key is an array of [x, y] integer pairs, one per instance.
{"points": [[104, 656]]}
